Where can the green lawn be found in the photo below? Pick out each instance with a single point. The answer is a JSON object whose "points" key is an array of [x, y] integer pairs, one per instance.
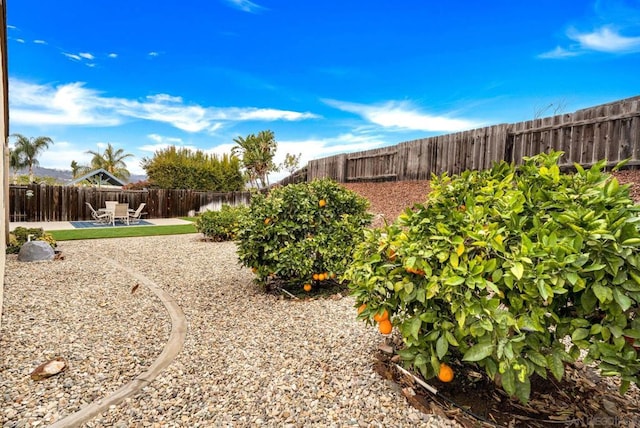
{"points": [[122, 232]]}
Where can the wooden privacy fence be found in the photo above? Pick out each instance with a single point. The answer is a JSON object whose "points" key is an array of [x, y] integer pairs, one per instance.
{"points": [[609, 131], [67, 203]]}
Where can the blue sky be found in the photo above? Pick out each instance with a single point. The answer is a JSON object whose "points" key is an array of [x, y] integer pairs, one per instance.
{"points": [[325, 76]]}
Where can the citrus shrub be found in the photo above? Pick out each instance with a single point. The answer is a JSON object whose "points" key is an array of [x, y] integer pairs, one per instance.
{"points": [[302, 233], [220, 225], [514, 270]]}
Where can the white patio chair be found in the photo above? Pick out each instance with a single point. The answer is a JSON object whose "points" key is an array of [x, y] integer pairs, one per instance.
{"points": [[98, 216], [121, 212], [110, 205], [134, 217]]}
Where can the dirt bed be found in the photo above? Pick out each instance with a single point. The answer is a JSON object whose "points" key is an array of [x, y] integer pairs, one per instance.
{"points": [[389, 199]]}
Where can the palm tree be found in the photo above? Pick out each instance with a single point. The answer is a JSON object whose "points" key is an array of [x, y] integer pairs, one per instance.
{"points": [[16, 163], [267, 150], [28, 150], [75, 169], [257, 156], [112, 161], [248, 148]]}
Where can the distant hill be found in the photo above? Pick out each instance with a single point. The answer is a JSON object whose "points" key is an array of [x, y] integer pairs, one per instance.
{"points": [[65, 176]]}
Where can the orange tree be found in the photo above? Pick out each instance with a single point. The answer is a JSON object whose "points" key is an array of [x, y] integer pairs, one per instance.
{"points": [[302, 233], [513, 270]]}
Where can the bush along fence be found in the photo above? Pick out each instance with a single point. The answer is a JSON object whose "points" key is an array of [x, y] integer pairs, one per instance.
{"points": [[609, 131], [38, 202]]}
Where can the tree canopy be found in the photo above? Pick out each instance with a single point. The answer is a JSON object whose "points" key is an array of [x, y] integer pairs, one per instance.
{"points": [[183, 168]]}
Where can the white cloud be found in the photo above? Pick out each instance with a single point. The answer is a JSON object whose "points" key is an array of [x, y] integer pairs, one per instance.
{"points": [[166, 141], [72, 56], [402, 115], [223, 149], [266, 114], [113, 55], [40, 42], [606, 39], [153, 54], [187, 118], [194, 118], [74, 104], [82, 57], [245, 5], [558, 52], [20, 40], [68, 104], [160, 98], [60, 154]]}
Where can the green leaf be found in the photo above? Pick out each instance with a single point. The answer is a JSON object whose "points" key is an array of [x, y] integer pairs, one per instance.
{"points": [[454, 260], [442, 346], [478, 352], [572, 277], [554, 361], [414, 327], [631, 241], [523, 390], [537, 358], [461, 317], [588, 300], [579, 334], [624, 386], [517, 270], [407, 354], [509, 381], [454, 280], [451, 338], [594, 267], [603, 293], [632, 333], [622, 300], [545, 290]]}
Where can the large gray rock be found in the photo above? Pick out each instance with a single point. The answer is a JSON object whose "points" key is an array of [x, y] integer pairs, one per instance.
{"points": [[36, 251]]}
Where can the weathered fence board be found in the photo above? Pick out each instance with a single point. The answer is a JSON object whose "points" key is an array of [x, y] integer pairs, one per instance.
{"points": [[609, 131], [67, 203]]}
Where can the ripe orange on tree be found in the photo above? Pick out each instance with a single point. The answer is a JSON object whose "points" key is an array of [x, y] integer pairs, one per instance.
{"points": [[315, 276], [307, 287], [385, 327], [446, 373], [379, 317], [322, 203], [415, 271], [361, 308], [267, 220]]}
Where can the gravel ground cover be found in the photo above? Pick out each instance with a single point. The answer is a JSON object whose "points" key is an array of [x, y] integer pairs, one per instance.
{"points": [[250, 359]]}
